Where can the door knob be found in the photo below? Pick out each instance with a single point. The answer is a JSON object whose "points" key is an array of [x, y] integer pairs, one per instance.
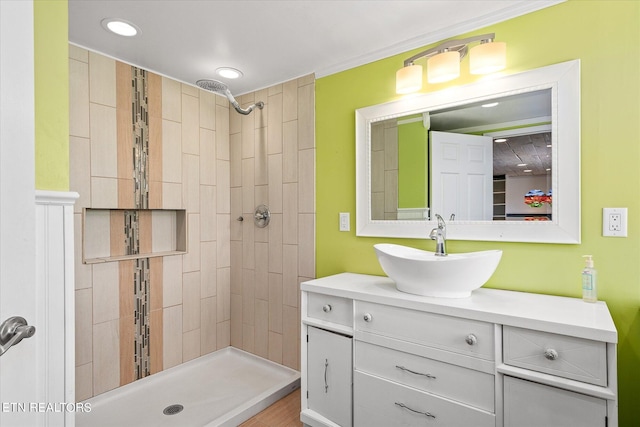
{"points": [[12, 331]]}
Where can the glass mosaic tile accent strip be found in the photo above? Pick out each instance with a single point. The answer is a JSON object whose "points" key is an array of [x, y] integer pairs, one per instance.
{"points": [[140, 120], [142, 305], [131, 232]]}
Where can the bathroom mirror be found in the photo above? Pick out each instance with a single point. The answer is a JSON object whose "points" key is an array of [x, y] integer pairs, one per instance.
{"points": [[549, 97]]}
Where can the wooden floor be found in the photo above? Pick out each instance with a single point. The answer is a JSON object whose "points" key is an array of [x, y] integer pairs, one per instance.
{"points": [[284, 413]]}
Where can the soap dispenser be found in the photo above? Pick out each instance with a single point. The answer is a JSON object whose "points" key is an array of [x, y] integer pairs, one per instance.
{"points": [[589, 289]]}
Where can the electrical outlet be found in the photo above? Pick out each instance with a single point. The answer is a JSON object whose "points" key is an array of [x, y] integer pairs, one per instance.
{"points": [[614, 222], [344, 221]]}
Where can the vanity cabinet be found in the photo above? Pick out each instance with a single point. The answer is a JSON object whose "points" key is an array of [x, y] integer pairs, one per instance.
{"points": [[498, 358]]}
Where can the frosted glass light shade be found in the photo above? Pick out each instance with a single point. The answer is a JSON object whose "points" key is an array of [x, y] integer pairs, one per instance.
{"points": [[488, 58], [443, 67], [409, 79]]}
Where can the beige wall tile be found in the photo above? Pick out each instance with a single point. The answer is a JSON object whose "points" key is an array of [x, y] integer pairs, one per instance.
{"points": [[305, 80], [116, 234], [163, 230], [261, 330], [80, 171], [208, 327], [306, 181], [106, 295], [171, 100], [275, 124], [290, 337], [126, 194], [191, 90], [222, 133], [275, 244], [275, 302], [97, 230], [156, 343], [207, 110], [306, 247], [191, 301], [248, 244], [84, 382], [145, 233], [248, 137], [191, 260], [154, 96], [171, 195], [235, 121], [261, 162], [236, 267], [236, 212], [236, 320], [248, 338], [102, 79], [248, 296], [224, 294], [272, 90], [171, 280], [172, 336], [306, 117], [106, 356], [190, 124], [156, 275], [104, 147], [190, 183], [78, 53], [84, 326], [290, 213], [207, 213], [155, 195], [224, 335], [207, 157], [127, 338], [275, 347], [290, 151], [223, 241], [171, 151], [79, 98], [275, 183], [191, 345], [235, 149], [83, 272], [208, 269], [223, 198], [290, 101], [290, 286], [126, 293], [262, 271], [248, 173]]}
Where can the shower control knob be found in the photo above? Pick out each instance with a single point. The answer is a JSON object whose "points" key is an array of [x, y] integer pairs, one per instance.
{"points": [[326, 308], [367, 317], [471, 339]]}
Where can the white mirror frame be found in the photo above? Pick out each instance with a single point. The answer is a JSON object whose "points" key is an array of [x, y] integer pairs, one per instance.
{"points": [[564, 81]]}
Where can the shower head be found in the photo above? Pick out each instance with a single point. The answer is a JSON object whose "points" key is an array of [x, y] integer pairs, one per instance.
{"points": [[222, 89]]}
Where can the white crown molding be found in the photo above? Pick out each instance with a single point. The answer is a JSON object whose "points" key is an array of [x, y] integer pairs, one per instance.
{"points": [[513, 11]]}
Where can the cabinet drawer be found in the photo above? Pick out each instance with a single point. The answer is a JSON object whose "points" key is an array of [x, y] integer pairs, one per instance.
{"points": [[468, 337], [330, 309], [529, 404], [378, 402], [429, 375], [574, 358]]}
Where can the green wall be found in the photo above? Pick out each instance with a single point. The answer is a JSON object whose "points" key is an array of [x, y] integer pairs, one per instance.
{"points": [[51, 94], [412, 165], [605, 36]]}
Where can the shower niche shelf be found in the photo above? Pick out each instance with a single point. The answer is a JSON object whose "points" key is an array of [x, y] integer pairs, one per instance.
{"points": [[122, 234]]}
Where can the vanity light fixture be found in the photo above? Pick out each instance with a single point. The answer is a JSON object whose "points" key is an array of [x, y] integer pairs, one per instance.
{"points": [[490, 105], [500, 140], [120, 27], [443, 61]]}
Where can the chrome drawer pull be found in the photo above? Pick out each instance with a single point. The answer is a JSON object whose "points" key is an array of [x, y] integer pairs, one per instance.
{"points": [[367, 317], [414, 372], [471, 339], [426, 414], [551, 354], [326, 365], [326, 308]]}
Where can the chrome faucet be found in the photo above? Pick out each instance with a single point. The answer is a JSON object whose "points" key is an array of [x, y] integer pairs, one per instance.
{"points": [[439, 234]]}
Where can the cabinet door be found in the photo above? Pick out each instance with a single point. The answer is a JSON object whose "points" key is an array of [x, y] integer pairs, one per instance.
{"points": [[329, 367], [531, 404]]}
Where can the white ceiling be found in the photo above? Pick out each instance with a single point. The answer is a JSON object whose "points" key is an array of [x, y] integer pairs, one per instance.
{"points": [[275, 41]]}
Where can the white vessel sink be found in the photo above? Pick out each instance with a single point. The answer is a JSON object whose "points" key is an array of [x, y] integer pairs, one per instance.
{"points": [[423, 273]]}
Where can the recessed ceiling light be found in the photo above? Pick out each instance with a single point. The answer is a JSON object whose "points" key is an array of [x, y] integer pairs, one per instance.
{"points": [[120, 27], [491, 104], [229, 73], [500, 140], [548, 145], [527, 170], [548, 169], [522, 164]]}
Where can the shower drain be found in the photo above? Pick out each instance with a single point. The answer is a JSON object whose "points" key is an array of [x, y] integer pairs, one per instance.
{"points": [[173, 409]]}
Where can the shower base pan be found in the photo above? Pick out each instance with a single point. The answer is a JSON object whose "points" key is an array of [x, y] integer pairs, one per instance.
{"points": [[224, 388]]}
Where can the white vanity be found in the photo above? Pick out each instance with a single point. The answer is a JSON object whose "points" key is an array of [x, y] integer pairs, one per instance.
{"points": [[374, 356]]}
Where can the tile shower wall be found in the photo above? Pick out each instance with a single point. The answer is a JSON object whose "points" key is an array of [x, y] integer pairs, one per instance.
{"points": [[137, 141], [237, 285], [272, 155]]}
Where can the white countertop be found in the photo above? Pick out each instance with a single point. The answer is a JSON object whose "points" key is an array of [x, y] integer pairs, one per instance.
{"points": [[560, 315]]}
